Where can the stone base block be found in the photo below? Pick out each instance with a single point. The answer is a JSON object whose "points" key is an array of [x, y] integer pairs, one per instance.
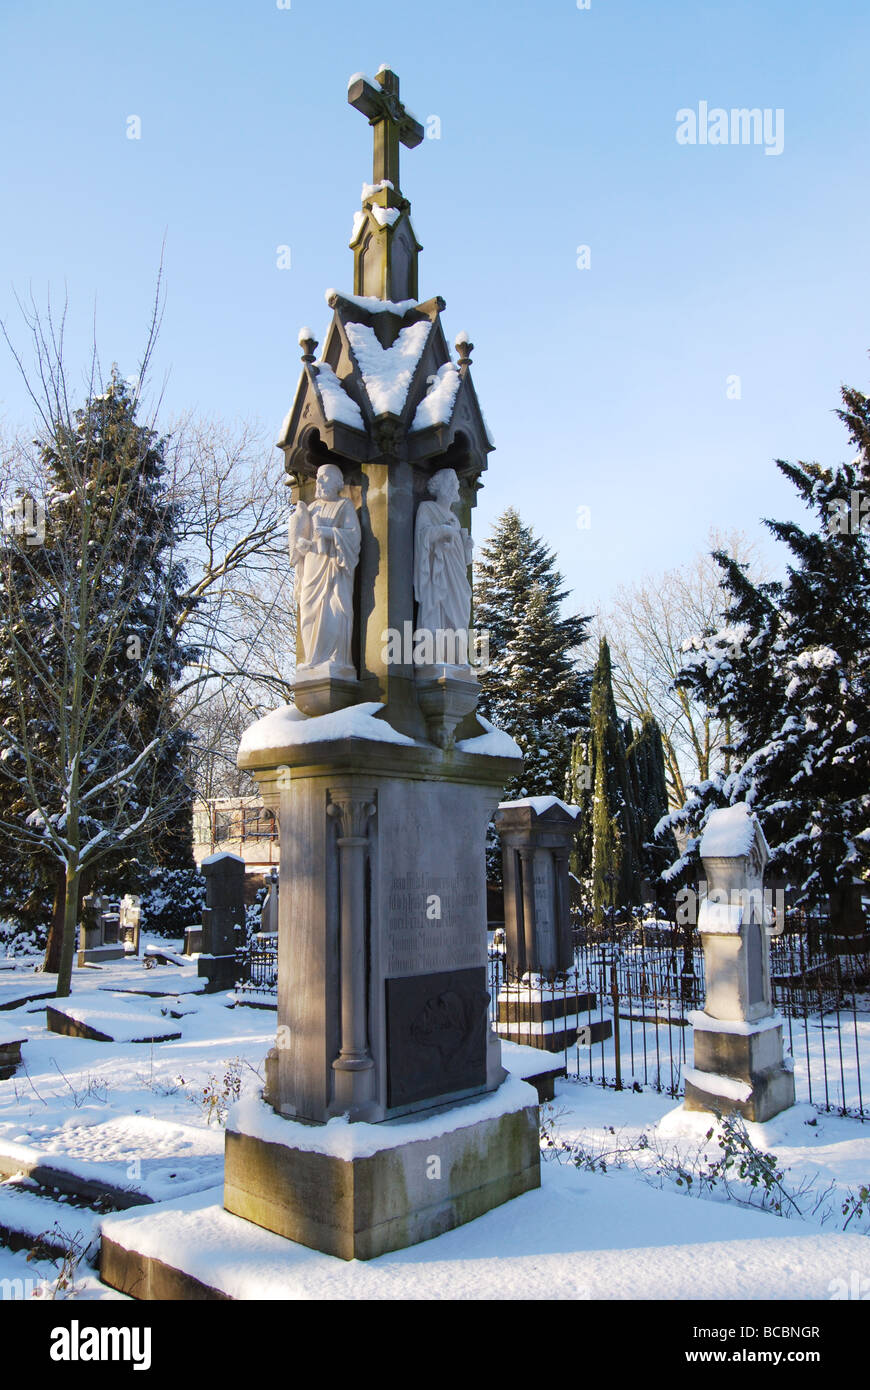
{"points": [[219, 972], [98, 955], [10, 1056], [386, 1194], [739, 1071], [192, 941], [326, 688], [549, 1020]]}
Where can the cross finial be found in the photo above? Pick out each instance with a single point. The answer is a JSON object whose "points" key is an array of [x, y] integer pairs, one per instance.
{"points": [[392, 124]]}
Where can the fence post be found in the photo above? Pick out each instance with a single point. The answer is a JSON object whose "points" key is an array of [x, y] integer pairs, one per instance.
{"points": [[614, 994]]}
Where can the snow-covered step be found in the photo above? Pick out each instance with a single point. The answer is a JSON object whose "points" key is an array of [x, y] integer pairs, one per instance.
{"points": [[29, 1216]]}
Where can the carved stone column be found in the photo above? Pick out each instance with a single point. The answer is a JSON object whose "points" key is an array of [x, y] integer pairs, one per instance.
{"points": [[353, 1068]]}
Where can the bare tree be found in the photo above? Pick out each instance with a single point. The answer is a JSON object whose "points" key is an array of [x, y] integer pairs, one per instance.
{"points": [[646, 626], [86, 774]]}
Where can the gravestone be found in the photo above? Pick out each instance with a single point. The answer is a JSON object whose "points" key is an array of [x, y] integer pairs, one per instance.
{"points": [[540, 1004], [384, 779], [129, 924], [223, 913], [738, 1063], [98, 933]]}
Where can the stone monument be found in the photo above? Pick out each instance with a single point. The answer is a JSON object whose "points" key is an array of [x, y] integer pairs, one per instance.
{"points": [[540, 1004], [224, 911], [387, 1116], [98, 933], [739, 1063]]}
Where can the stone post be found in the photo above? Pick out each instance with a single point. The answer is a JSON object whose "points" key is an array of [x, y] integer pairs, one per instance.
{"points": [[739, 1063], [224, 911]]}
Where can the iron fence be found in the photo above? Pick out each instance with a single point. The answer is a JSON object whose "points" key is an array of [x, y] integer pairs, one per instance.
{"points": [[635, 981]]}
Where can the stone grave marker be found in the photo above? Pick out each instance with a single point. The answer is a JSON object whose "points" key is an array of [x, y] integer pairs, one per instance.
{"points": [[739, 1063]]}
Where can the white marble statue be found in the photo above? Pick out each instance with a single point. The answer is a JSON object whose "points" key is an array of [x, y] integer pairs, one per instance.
{"points": [[324, 547], [442, 554]]}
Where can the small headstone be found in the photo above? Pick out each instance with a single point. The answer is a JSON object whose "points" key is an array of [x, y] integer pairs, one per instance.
{"points": [[223, 913], [738, 1063]]}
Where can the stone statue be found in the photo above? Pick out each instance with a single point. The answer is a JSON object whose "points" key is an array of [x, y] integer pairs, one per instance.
{"points": [[269, 910], [442, 554], [324, 547]]}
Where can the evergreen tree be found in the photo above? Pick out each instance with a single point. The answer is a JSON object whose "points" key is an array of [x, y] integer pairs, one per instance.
{"points": [[532, 687], [601, 784], [646, 761], [791, 671], [91, 653]]}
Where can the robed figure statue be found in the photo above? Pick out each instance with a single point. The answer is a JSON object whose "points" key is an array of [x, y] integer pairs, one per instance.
{"points": [[442, 554], [324, 548]]}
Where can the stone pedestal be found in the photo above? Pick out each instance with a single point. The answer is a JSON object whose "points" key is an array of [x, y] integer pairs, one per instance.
{"points": [[738, 1062], [325, 688], [223, 913], [382, 999], [540, 1005]]}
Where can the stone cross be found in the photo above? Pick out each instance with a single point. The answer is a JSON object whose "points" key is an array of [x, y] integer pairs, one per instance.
{"points": [[391, 123]]}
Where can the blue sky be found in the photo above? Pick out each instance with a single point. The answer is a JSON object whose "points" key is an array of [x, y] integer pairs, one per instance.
{"points": [[604, 387]]}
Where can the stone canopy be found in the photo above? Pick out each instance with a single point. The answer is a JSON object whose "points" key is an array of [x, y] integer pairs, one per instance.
{"points": [[347, 413]]}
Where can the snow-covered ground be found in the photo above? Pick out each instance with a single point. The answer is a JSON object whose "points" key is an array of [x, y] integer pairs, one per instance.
{"points": [[610, 1220]]}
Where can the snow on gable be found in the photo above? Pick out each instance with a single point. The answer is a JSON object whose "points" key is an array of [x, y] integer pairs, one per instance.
{"points": [[385, 217], [436, 406], [337, 404], [540, 804], [387, 372], [729, 832], [372, 304]]}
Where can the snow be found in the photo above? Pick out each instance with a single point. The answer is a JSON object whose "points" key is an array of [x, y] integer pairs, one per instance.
{"points": [[338, 1138], [581, 1236], [306, 335], [370, 189], [358, 223], [386, 217], [374, 305], [337, 404], [705, 1023], [10, 1035], [387, 372], [461, 338], [494, 743], [121, 1018], [287, 727], [221, 854], [99, 1110], [540, 804], [716, 1085], [356, 77], [436, 406], [729, 832]]}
